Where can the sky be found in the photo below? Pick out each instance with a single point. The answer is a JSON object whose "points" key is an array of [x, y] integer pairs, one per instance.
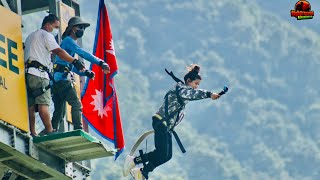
{"points": [[265, 127]]}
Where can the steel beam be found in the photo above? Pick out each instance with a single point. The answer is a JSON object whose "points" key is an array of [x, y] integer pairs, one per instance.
{"points": [[5, 4]]}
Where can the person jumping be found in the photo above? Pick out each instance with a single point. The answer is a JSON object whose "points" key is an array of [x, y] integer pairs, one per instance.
{"points": [[168, 116]]}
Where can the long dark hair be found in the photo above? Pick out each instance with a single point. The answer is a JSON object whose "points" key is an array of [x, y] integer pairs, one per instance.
{"points": [[67, 32], [193, 73]]}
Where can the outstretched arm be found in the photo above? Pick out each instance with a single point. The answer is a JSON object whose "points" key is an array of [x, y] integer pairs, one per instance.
{"points": [[90, 57], [191, 94], [63, 55], [194, 94]]}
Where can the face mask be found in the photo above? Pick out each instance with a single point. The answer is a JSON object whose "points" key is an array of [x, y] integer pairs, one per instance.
{"points": [[79, 33], [55, 32]]}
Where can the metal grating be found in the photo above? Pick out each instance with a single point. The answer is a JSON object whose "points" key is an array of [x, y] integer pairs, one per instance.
{"points": [[74, 146]]}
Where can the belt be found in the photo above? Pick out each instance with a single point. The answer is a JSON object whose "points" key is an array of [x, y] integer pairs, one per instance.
{"points": [[38, 65], [157, 116]]}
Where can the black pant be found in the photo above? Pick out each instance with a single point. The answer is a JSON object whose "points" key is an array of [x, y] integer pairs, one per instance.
{"points": [[163, 147], [63, 92]]}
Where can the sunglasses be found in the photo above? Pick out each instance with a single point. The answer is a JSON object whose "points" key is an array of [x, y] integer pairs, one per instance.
{"points": [[81, 26]]}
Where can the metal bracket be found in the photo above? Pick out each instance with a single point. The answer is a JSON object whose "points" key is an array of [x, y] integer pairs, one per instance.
{"points": [[5, 4]]}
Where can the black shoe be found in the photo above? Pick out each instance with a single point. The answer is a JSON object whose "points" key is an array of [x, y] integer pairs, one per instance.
{"points": [[77, 128], [33, 136], [45, 133], [42, 133], [145, 175]]}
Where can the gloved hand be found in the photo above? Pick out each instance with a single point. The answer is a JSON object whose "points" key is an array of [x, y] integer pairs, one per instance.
{"points": [[89, 74], [105, 67], [78, 65]]}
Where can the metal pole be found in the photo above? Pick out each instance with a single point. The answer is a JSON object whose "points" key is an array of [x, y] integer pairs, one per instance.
{"points": [[16, 6], [5, 4]]}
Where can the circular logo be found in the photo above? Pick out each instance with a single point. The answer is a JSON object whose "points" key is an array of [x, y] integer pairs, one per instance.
{"points": [[302, 6]]}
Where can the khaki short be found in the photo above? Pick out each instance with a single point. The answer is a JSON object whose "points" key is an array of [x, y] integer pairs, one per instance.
{"points": [[35, 82]]}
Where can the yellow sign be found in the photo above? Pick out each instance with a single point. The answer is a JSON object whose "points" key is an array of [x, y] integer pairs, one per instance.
{"points": [[13, 96], [66, 12]]}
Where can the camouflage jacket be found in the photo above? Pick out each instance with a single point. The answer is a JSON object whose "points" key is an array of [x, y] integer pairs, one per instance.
{"points": [[186, 94]]}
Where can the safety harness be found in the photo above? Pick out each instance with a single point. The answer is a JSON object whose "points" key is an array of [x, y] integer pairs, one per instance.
{"points": [[61, 68], [39, 91], [165, 120]]}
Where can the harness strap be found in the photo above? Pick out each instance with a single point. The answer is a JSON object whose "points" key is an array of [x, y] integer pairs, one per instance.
{"points": [[61, 68], [35, 64], [166, 105], [183, 150], [174, 77], [38, 65], [142, 157]]}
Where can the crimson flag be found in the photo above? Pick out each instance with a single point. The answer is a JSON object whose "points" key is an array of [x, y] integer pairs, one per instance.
{"points": [[99, 97]]}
